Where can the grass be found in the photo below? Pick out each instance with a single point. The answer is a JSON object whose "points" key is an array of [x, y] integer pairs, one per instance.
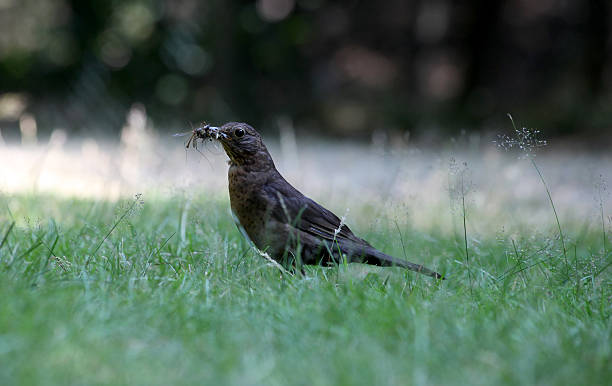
{"points": [[159, 291]]}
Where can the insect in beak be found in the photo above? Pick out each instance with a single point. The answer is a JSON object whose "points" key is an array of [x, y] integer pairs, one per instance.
{"points": [[204, 132], [195, 134], [211, 132]]}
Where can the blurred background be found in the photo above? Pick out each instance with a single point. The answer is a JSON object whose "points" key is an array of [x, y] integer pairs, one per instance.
{"points": [[394, 96], [414, 69]]}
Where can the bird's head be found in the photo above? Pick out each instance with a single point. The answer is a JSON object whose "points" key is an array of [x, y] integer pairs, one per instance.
{"points": [[242, 143]]}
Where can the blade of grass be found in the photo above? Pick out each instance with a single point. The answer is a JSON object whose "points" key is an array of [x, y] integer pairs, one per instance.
{"points": [[7, 234], [603, 222], [136, 199], [37, 244], [512, 271], [467, 254], [50, 251], [519, 261], [552, 204], [148, 264]]}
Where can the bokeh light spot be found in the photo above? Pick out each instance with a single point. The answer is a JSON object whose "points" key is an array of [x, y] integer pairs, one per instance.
{"points": [[274, 10], [193, 60], [113, 51], [135, 21]]}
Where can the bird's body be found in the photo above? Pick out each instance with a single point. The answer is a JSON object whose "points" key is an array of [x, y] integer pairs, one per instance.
{"points": [[280, 220]]}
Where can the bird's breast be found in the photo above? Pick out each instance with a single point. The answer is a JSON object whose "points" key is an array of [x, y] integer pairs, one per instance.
{"points": [[248, 202]]}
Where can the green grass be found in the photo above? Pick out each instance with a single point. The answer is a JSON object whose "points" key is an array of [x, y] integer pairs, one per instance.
{"points": [[174, 295]]}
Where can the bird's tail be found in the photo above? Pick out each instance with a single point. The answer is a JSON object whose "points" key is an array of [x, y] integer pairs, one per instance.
{"points": [[375, 257]]}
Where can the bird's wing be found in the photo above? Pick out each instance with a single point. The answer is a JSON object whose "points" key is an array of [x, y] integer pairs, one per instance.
{"points": [[306, 215]]}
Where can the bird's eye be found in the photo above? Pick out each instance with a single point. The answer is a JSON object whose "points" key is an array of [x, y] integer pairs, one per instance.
{"points": [[239, 133]]}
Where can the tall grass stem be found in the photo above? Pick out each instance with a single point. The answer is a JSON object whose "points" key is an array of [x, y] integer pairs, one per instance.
{"points": [[552, 204]]}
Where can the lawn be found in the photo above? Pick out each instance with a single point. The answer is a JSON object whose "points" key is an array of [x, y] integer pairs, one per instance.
{"points": [[154, 290]]}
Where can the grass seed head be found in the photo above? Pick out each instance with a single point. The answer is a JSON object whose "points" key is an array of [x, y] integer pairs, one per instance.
{"points": [[525, 139]]}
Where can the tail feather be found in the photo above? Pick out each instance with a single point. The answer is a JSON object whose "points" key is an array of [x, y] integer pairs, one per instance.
{"points": [[375, 257]]}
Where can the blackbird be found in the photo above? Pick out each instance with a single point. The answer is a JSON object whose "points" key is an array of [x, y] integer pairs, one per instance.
{"points": [[277, 218]]}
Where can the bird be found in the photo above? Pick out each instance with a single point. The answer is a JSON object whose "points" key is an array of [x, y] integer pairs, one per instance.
{"points": [[277, 218]]}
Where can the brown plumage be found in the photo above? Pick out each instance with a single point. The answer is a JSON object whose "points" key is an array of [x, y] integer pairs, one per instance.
{"points": [[277, 218]]}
